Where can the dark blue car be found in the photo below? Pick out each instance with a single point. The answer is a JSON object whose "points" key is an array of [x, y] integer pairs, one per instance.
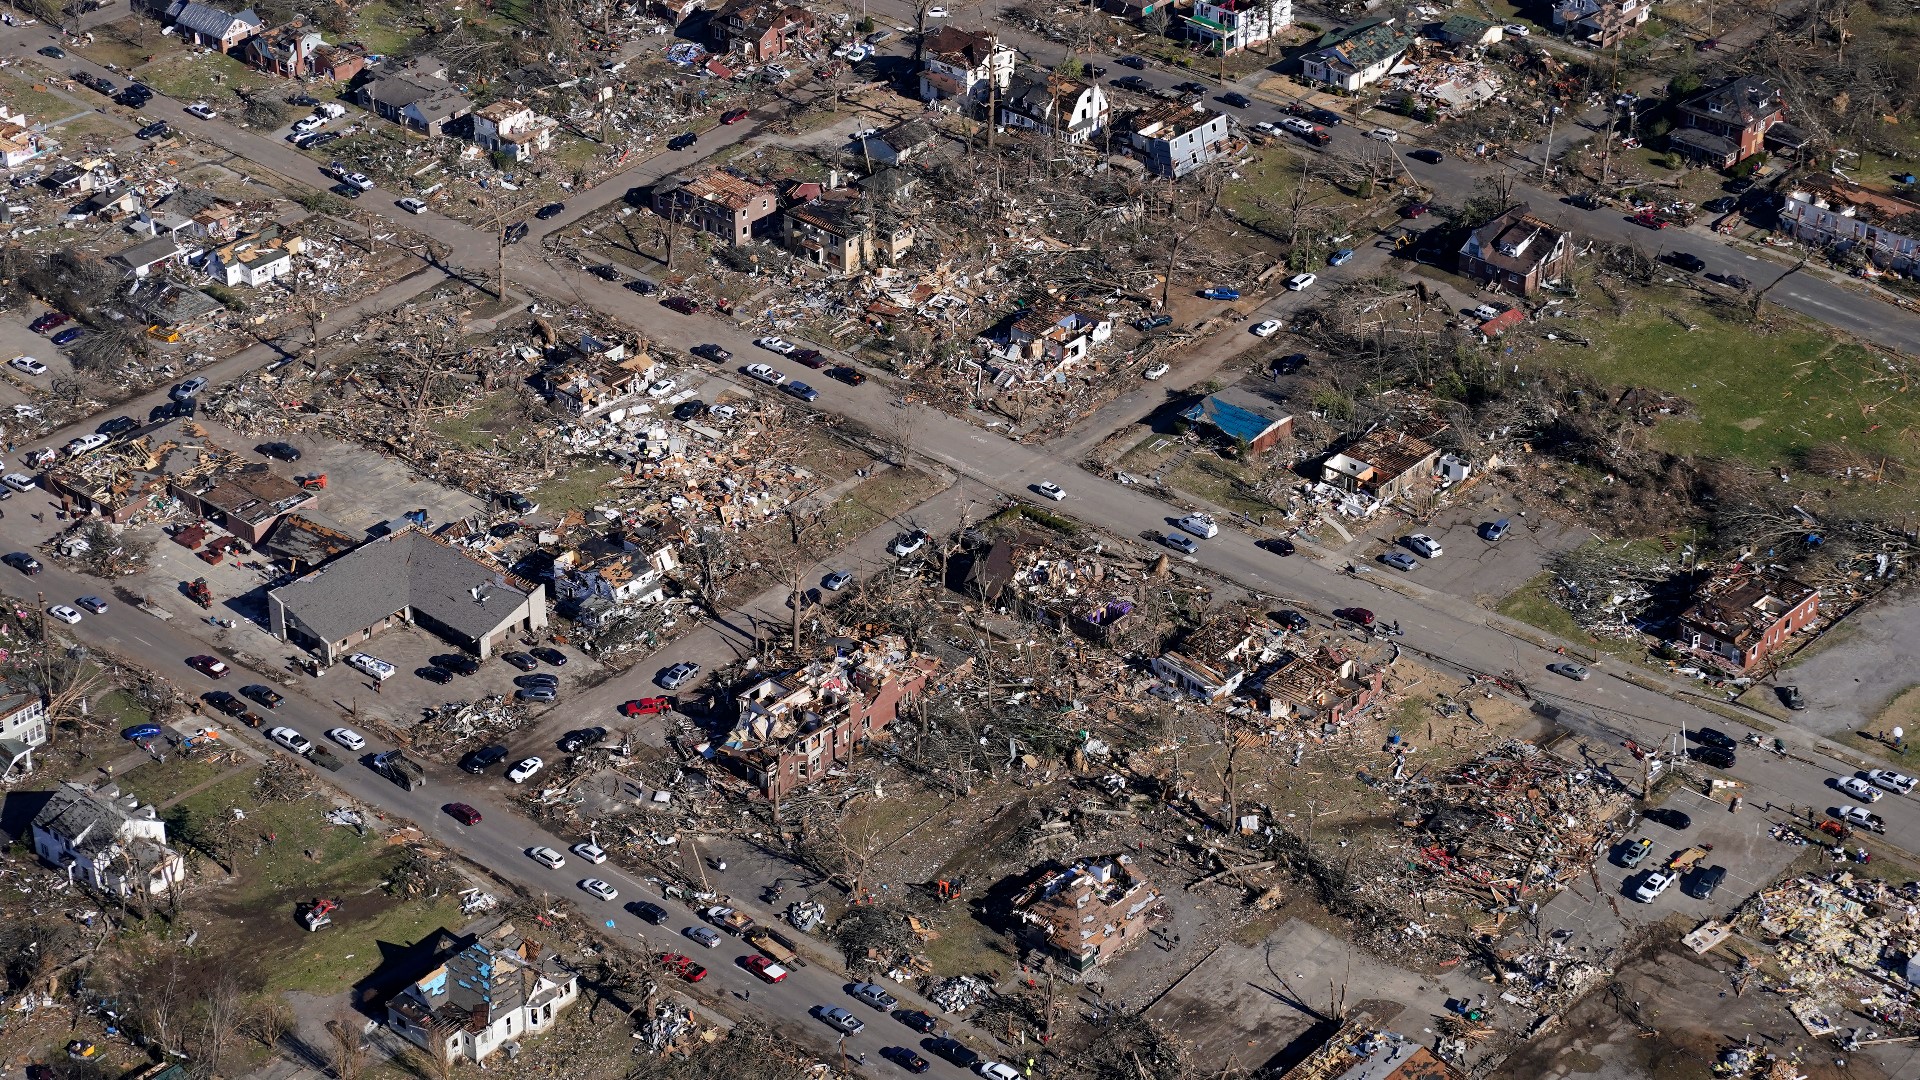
{"points": [[141, 732], [800, 390], [68, 337]]}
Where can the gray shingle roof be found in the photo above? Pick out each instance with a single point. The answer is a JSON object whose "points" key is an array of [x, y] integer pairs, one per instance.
{"points": [[211, 21], [407, 569], [88, 821]]}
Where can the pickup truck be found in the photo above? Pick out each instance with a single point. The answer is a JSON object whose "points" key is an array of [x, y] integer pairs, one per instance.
{"points": [[733, 922], [396, 767], [765, 968], [1861, 818]]}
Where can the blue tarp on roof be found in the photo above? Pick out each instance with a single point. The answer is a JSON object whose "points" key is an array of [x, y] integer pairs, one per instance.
{"points": [[1233, 421]]}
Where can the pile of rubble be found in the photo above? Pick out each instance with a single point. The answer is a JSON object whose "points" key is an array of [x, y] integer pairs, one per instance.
{"points": [[456, 725], [1843, 943]]}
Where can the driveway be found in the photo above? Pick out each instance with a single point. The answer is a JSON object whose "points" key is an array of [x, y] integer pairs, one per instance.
{"points": [[1846, 689]]}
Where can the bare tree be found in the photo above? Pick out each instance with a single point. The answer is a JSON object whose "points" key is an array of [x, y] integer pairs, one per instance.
{"points": [[223, 1007], [346, 1049]]}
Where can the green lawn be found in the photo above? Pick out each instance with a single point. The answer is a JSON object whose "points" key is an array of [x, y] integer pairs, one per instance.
{"points": [[576, 490], [156, 782], [36, 98], [479, 426], [209, 77], [307, 858], [1764, 397], [381, 29], [1532, 604], [123, 707]]}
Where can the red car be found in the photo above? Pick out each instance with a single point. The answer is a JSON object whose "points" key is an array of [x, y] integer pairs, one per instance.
{"points": [[733, 116], [765, 968], [464, 814], [49, 321], [1413, 210], [1357, 615], [646, 706], [209, 666], [683, 966]]}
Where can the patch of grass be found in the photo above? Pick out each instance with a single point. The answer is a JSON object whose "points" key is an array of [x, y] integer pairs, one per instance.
{"points": [[123, 707], [36, 97], [1220, 481], [1531, 604], [156, 782], [492, 417], [1764, 397], [330, 962], [576, 490], [211, 77], [381, 29], [1269, 179]]}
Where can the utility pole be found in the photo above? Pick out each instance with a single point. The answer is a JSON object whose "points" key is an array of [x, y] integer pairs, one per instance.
{"points": [[1546, 159]]}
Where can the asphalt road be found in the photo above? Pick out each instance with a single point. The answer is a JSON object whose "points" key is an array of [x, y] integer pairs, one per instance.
{"points": [[1433, 623]]}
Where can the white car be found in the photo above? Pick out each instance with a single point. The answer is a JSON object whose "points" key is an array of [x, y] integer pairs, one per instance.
{"points": [[201, 110], [1266, 127], [372, 666], [307, 124], [1300, 282], [17, 481], [348, 738], [1051, 490], [1898, 783], [1424, 546], [777, 345], [1200, 525], [994, 1070], [27, 364], [936, 13], [1860, 789], [1266, 328], [1517, 30], [358, 180], [1657, 882], [85, 443], [591, 852], [1384, 134], [601, 889], [520, 773], [413, 206], [663, 388], [1156, 371], [547, 857], [766, 374], [64, 613], [291, 739]]}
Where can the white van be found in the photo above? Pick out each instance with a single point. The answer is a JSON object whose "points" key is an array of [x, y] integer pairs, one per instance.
{"points": [[1423, 545], [1201, 525], [374, 667]]}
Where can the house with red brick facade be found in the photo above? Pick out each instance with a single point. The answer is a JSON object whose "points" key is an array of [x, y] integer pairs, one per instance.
{"points": [[795, 728], [1728, 122], [763, 30], [1739, 620]]}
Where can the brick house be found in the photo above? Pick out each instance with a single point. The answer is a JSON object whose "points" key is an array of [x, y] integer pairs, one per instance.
{"points": [[1826, 210], [1516, 253], [1088, 913], [296, 50], [794, 729], [1729, 122], [718, 203], [761, 30], [1740, 619], [845, 234]]}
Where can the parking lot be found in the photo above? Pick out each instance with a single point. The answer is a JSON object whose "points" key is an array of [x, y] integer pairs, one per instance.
{"points": [[17, 387], [400, 699], [1471, 566]]}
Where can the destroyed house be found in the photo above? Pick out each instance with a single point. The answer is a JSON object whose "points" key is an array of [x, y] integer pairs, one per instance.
{"points": [[901, 143], [300, 542], [1826, 211], [1361, 1050], [143, 258], [1517, 253], [717, 203], [178, 307], [1383, 463], [1211, 661], [1244, 418], [405, 578], [297, 50], [499, 988], [204, 213], [513, 130], [1728, 122], [762, 30], [205, 25], [250, 261], [1742, 619], [1467, 30], [958, 63], [587, 390], [844, 234], [1357, 56], [19, 143], [116, 481], [626, 566], [1175, 139], [794, 729], [1065, 108], [1087, 914], [1051, 331], [245, 500], [416, 94], [1321, 688], [107, 841], [1028, 577], [1603, 23]]}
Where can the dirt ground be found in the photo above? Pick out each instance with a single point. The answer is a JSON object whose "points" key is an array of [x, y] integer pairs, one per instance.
{"points": [[1670, 1014]]}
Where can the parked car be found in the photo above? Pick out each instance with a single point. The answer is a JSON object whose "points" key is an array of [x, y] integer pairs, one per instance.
{"points": [[678, 675], [1156, 372], [605, 272], [1384, 134], [1671, 818], [412, 205], [550, 211], [1635, 852], [1898, 783], [1692, 264], [1238, 101], [765, 374], [280, 450], [224, 703], [1400, 561], [850, 375], [1152, 322], [348, 738], [157, 129], [733, 116], [520, 660], [1423, 545], [953, 1050], [265, 695], [591, 852], [905, 1058], [599, 889], [1430, 156], [438, 676], [1791, 697], [1495, 531], [1326, 116], [49, 321], [1359, 616], [182, 391], [28, 365], [1301, 282], [712, 352], [1859, 789], [524, 771], [683, 141], [1266, 328], [1290, 619], [801, 390], [462, 813], [907, 543], [1180, 542], [874, 995], [646, 706], [93, 604], [1702, 884], [538, 695], [1051, 490], [841, 1020], [547, 857], [836, 581], [1220, 292], [550, 656], [209, 666], [1655, 883], [486, 757], [652, 913], [1341, 257], [705, 935], [580, 738], [202, 110], [1576, 672], [291, 739], [54, 51], [813, 358], [680, 304], [1714, 756]]}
